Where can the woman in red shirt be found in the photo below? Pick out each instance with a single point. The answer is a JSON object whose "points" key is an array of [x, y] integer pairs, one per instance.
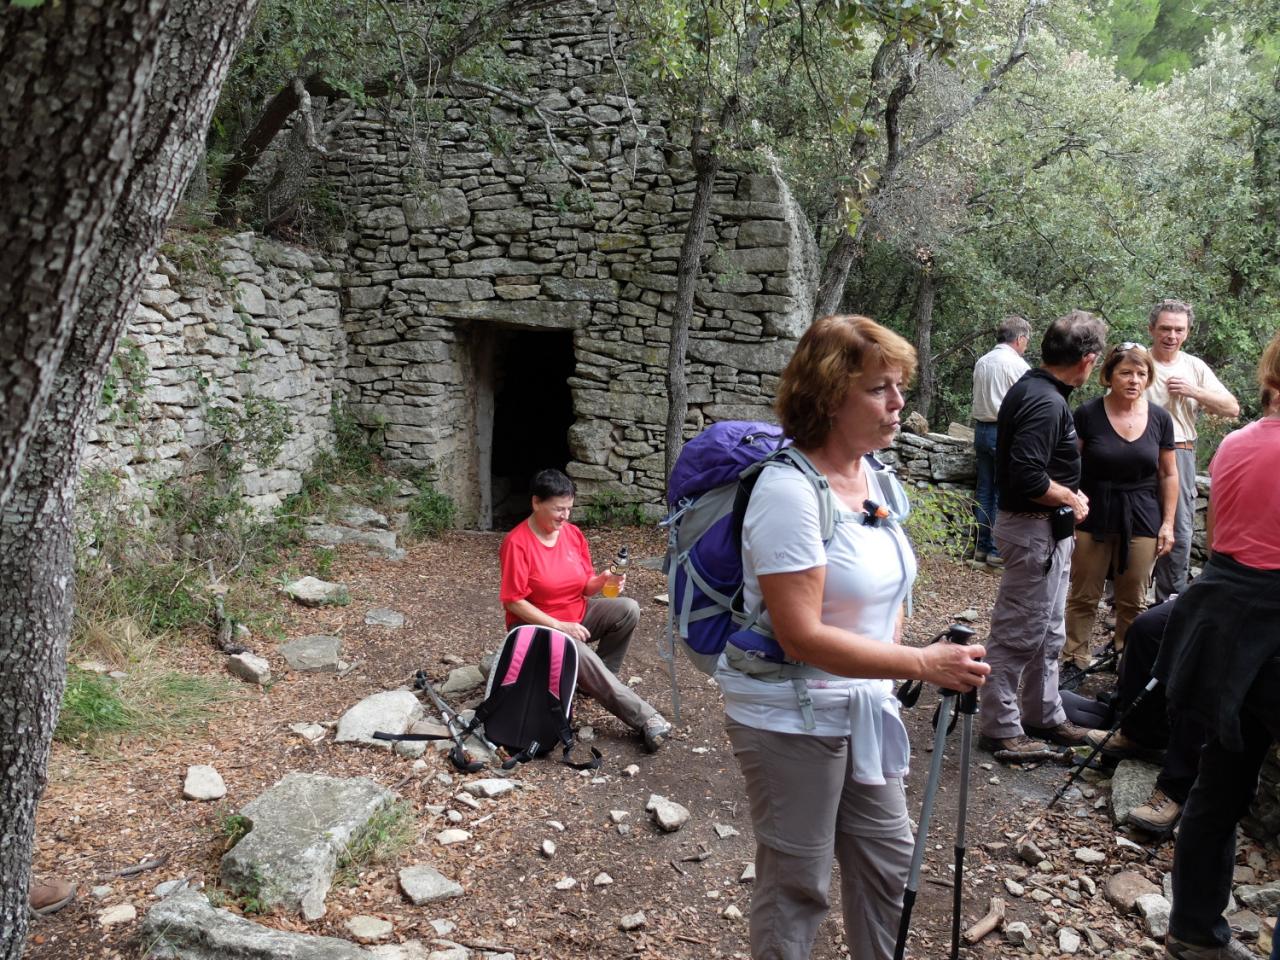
{"points": [[548, 581]]}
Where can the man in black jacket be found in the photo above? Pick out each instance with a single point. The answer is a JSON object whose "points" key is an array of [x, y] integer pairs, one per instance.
{"points": [[1038, 473]]}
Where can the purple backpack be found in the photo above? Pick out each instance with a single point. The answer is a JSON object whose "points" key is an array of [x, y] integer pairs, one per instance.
{"points": [[708, 493]]}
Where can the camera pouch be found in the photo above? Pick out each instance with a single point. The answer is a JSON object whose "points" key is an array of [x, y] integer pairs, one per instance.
{"points": [[1062, 523]]}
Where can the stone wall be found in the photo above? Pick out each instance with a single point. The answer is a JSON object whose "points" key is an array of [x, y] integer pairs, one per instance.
{"points": [[450, 286], [259, 320]]}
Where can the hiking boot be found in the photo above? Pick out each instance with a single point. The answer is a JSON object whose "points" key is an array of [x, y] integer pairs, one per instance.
{"points": [[1175, 949], [50, 896], [995, 561], [1066, 733], [655, 732], [980, 556], [1122, 747], [1021, 749], [1157, 815]]}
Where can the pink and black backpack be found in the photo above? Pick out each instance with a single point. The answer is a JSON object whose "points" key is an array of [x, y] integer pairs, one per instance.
{"points": [[529, 700]]}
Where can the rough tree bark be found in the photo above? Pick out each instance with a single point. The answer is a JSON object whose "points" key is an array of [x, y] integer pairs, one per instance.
{"points": [[167, 78], [926, 292], [688, 271]]}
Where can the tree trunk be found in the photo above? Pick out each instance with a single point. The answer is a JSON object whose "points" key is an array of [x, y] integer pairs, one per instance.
{"points": [[688, 271], [187, 59], [926, 289], [835, 271]]}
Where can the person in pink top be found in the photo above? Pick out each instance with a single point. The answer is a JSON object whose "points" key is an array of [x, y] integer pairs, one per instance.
{"points": [[1220, 659], [548, 580]]}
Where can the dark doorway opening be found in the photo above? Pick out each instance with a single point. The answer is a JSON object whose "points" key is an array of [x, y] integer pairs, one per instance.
{"points": [[532, 414]]}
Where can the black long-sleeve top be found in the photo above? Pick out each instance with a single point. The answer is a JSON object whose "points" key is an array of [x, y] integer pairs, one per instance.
{"points": [[1035, 442]]}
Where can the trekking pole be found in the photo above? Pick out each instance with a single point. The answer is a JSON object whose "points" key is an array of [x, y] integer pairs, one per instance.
{"points": [[459, 755], [956, 633], [1075, 774], [967, 705]]}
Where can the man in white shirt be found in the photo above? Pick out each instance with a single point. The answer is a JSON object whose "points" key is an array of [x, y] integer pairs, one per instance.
{"points": [[994, 373], [1184, 385]]}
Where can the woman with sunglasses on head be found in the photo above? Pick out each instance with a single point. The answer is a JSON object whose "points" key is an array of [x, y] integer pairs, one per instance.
{"points": [[1130, 474]]}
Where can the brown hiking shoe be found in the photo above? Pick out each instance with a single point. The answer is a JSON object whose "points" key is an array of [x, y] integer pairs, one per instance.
{"points": [[1121, 746], [1065, 733], [1157, 815], [50, 896], [1021, 749], [1175, 949]]}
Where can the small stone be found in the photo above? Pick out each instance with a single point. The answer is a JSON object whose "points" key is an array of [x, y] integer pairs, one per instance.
{"points": [[724, 831], [968, 616], [667, 814], [556, 825], [1041, 896], [1096, 942], [1089, 886], [602, 879], [1089, 855], [443, 927], [120, 913], [1068, 940], [384, 617], [163, 890], [632, 921], [447, 837], [731, 912], [366, 929], [748, 874], [1123, 889], [548, 848], [313, 592], [586, 734], [566, 883], [453, 816], [617, 816], [424, 884], [249, 668], [1014, 887], [462, 679], [101, 892], [203, 782], [624, 829], [1124, 843], [489, 787], [311, 732], [630, 770], [1155, 913], [93, 666], [1044, 866], [467, 800], [317, 653], [1245, 924], [1018, 933], [1030, 853]]}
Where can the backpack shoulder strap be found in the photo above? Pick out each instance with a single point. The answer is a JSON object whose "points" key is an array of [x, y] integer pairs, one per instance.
{"points": [[827, 508]]}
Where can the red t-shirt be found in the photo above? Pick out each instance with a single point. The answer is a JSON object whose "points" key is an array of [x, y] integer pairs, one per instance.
{"points": [[551, 578], [1246, 495]]}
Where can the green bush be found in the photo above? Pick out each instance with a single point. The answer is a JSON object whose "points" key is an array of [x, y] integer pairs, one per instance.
{"points": [[431, 512], [941, 521], [609, 509], [91, 708]]}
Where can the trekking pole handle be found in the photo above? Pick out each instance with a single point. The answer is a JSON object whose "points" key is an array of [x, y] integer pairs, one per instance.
{"points": [[962, 634]]}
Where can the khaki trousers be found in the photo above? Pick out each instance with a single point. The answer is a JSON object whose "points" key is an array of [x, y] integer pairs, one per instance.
{"points": [[1089, 566], [806, 812]]}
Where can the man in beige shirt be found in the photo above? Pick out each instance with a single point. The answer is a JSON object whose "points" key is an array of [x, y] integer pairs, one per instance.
{"points": [[1184, 385]]}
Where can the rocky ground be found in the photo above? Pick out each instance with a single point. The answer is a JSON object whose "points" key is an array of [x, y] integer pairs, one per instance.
{"points": [[554, 862]]}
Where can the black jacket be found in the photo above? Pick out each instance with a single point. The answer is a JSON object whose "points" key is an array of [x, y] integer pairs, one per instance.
{"points": [[1222, 631], [1035, 442]]}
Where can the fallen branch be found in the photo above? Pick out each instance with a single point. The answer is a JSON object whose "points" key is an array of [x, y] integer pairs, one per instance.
{"points": [[992, 921], [152, 863]]}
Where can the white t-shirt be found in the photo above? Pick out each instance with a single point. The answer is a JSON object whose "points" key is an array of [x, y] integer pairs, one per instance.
{"points": [[1184, 410], [869, 572], [995, 372]]}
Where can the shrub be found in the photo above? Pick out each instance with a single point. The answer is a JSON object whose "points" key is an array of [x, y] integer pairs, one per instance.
{"points": [[609, 509], [941, 521], [431, 512]]}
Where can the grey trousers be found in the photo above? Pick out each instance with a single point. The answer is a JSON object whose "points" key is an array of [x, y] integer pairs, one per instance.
{"points": [[806, 812], [611, 621], [1173, 568], [1027, 629]]}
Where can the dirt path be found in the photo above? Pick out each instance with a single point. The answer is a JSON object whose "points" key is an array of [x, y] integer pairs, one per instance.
{"points": [[101, 816]]}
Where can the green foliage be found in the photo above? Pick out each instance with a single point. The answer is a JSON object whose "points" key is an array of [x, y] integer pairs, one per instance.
{"points": [[124, 387], [941, 521], [233, 827], [609, 509], [388, 832], [91, 708], [431, 512], [322, 560]]}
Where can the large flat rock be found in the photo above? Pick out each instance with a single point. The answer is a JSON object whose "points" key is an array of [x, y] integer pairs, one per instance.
{"points": [[391, 711], [1131, 785], [300, 827], [186, 926], [313, 654]]}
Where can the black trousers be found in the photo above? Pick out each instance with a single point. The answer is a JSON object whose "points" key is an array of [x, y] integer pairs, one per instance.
{"points": [[1205, 854], [1152, 724]]}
